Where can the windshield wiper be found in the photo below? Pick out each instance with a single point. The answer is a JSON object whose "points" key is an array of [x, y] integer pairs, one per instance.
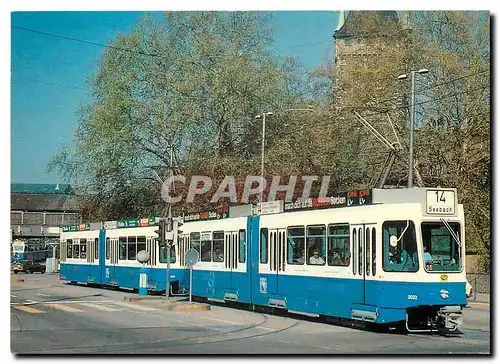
{"points": [[453, 234]]}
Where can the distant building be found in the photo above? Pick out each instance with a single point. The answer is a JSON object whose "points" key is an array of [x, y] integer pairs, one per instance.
{"points": [[360, 43], [37, 213]]}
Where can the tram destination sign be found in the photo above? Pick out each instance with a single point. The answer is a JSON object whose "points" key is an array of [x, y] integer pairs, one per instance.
{"points": [[128, 223], [79, 227], [440, 202], [220, 213], [342, 199]]}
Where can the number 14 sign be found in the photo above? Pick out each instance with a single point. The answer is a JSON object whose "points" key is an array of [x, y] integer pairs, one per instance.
{"points": [[441, 202]]}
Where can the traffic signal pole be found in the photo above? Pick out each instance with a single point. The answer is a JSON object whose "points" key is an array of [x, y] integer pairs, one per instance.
{"points": [[168, 245]]}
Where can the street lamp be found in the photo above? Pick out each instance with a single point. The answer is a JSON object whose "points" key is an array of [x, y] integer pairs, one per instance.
{"points": [[412, 120], [263, 116]]}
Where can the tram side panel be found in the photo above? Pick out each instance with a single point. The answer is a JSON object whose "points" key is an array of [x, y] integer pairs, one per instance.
{"points": [[221, 273]]}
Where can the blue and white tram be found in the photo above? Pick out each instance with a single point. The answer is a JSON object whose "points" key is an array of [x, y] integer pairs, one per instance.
{"points": [[379, 256], [397, 259], [113, 261]]}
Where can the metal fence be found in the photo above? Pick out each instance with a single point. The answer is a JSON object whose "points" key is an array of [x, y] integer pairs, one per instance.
{"points": [[44, 218], [480, 283]]}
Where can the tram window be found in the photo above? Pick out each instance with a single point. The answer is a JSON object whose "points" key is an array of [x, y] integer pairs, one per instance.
{"points": [[195, 242], [263, 245], [163, 254], [218, 246], [122, 253], [96, 248], [316, 245], [295, 244], [374, 255], [367, 251], [107, 248], [69, 250], [441, 251], [338, 245], [83, 248], [141, 243], [131, 248], [243, 246], [206, 247], [402, 255], [76, 249]]}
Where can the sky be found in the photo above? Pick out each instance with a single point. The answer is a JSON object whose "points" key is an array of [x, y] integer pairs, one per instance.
{"points": [[49, 74]]}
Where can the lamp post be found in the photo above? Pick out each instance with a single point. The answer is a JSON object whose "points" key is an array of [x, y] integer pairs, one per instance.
{"points": [[412, 121], [263, 116]]}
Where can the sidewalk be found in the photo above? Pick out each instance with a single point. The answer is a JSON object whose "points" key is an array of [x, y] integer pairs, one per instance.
{"points": [[481, 297]]}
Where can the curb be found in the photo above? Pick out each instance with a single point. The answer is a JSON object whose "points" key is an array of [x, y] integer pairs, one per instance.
{"points": [[190, 307], [472, 304]]}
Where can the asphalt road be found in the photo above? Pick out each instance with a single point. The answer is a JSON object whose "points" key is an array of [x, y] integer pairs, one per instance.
{"points": [[48, 317]]}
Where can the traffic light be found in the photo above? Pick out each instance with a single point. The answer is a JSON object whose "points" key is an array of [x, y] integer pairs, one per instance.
{"points": [[161, 233], [177, 223]]}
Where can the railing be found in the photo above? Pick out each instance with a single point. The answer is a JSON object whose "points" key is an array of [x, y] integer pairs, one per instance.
{"points": [[44, 218], [480, 283]]}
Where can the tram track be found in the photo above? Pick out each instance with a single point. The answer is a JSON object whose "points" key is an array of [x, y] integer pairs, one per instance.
{"points": [[207, 338]]}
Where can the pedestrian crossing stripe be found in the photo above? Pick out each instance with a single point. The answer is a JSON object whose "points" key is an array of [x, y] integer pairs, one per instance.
{"points": [[99, 307], [28, 309], [63, 308], [136, 307]]}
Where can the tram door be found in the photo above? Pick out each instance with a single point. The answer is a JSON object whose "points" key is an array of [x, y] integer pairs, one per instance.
{"points": [[361, 261], [231, 256], [277, 258], [113, 260]]}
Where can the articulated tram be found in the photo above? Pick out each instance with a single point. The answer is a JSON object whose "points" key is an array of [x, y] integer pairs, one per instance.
{"points": [[378, 256]]}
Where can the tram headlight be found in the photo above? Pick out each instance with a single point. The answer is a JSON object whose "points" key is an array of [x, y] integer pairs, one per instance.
{"points": [[444, 294]]}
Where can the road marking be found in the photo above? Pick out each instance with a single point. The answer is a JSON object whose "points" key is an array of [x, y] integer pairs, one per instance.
{"points": [[63, 308], [100, 307], [43, 294], [31, 302], [13, 296], [136, 307], [83, 301], [29, 309]]}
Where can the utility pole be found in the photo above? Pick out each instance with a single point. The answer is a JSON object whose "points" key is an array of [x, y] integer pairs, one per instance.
{"points": [[412, 127], [412, 121], [169, 229], [263, 116]]}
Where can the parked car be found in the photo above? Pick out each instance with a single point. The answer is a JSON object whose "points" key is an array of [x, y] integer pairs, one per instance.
{"points": [[27, 266], [468, 290]]}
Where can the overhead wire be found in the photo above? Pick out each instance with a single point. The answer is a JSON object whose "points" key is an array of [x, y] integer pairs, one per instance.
{"points": [[49, 83], [89, 42]]}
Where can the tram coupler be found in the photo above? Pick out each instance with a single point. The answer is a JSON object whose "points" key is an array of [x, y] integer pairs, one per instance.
{"points": [[431, 319]]}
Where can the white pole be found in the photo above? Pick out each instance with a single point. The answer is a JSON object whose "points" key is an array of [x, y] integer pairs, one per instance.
{"points": [[262, 153], [190, 283], [412, 126]]}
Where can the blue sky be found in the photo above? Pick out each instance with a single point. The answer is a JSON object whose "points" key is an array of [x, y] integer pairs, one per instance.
{"points": [[49, 74]]}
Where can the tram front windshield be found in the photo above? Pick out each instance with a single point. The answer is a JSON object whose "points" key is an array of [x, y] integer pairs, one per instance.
{"points": [[442, 251]]}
